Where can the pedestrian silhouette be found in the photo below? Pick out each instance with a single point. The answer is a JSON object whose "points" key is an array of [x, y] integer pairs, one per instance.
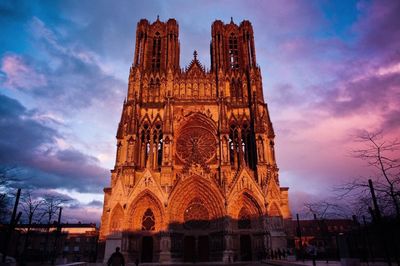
{"points": [[116, 259]]}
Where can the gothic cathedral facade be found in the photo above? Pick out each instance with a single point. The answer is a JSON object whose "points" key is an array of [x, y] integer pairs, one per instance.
{"points": [[195, 177]]}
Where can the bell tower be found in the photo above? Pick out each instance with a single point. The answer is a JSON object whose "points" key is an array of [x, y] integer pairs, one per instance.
{"points": [[157, 45], [232, 46]]}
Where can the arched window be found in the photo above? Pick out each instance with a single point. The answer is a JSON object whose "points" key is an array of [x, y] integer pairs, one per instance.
{"points": [[157, 140], [140, 48], [145, 144], [156, 54], [244, 220], [119, 151], [233, 52], [129, 156], [249, 48], [246, 143], [236, 89], [233, 144], [271, 144], [148, 221]]}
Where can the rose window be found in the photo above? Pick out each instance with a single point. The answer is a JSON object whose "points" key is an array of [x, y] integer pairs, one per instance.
{"points": [[196, 145]]}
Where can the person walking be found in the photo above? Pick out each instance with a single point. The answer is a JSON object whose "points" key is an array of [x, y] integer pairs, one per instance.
{"points": [[116, 259]]}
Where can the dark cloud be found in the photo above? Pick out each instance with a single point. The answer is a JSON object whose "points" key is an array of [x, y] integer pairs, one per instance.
{"points": [[74, 75], [32, 146], [50, 194], [371, 92], [95, 203], [71, 169], [20, 135]]}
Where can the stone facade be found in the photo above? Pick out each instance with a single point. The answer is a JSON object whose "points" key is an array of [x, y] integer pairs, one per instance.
{"points": [[195, 177]]}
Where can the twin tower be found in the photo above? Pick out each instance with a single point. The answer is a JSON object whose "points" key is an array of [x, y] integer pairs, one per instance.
{"points": [[195, 177], [157, 46]]}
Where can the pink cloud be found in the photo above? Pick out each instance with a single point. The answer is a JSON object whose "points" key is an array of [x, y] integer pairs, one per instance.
{"points": [[83, 213], [20, 75]]}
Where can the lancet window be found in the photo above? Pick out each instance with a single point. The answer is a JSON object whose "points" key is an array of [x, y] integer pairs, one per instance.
{"points": [[271, 144], [140, 48], [158, 144], [236, 88], [156, 55], [129, 156], [119, 152], [249, 48], [241, 146], [218, 48], [233, 144], [233, 52], [145, 144], [148, 221], [246, 143]]}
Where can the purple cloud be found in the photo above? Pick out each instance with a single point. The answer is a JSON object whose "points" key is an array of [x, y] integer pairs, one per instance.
{"points": [[32, 146]]}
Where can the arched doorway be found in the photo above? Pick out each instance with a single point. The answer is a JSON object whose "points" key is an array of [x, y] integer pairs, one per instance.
{"points": [[147, 249], [148, 224], [245, 248]]}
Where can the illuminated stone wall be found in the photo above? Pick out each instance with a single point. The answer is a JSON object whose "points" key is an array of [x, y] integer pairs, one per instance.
{"points": [[195, 175]]}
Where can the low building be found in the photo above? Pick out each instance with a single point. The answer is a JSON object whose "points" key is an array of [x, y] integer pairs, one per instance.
{"points": [[65, 243], [320, 234]]}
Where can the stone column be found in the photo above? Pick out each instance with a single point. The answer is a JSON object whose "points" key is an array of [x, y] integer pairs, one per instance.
{"points": [[227, 255], [165, 247], [113, 241]]}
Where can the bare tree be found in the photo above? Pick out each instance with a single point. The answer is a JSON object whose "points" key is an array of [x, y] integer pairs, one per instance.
{"points": [[32, 207], [7, 178], [33, 211], [52, 204], [328, 209], [383, 156]]}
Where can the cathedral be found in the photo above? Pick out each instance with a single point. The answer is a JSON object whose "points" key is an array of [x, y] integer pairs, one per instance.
{"points": [[195, 176]]}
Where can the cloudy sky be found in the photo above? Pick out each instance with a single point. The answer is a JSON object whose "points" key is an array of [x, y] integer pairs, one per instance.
{"points": [[330, 70]]}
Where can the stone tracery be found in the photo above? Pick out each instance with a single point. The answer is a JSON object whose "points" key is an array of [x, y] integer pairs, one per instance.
{"points": [[148, 220]]}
